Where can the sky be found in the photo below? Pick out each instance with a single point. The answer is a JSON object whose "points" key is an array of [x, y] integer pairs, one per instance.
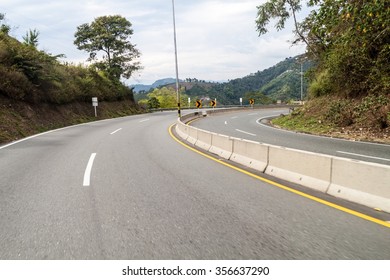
{"points": [[216, 39]]}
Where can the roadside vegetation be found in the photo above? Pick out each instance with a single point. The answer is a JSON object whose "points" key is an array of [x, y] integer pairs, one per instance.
{"points": [[348, 41], [35, 81]]}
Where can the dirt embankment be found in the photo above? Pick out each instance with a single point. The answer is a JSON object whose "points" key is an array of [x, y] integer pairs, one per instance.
{"points": [[21, 119], [365, 119]]}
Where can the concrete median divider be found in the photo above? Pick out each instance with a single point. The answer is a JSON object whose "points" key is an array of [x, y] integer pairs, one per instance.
{"points": [[250, 154], [222, 145], [182, 130], [361, 182], [300, 167], [203, 139], [192, 135]]}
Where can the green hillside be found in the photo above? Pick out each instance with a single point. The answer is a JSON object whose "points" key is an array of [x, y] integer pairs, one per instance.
{"points": [[38, 92], [279, 82], [349, 87]]}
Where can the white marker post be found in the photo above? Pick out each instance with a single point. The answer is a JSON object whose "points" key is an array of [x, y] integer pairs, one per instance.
{"points": [[241, 101], [189, 102], [95, 104]]}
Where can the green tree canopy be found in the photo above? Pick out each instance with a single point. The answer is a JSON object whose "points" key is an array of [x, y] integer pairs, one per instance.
{"points": [[348, 39], [109, 35], [164, 97], [153, 103]]}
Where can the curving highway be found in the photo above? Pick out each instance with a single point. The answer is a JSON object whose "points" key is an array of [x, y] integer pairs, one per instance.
{"points": [[249, 125], [125, 189]]}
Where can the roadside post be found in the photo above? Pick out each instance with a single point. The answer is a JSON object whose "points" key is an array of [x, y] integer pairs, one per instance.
{"points": [[213, 103], [95, 104], [252, 102]]}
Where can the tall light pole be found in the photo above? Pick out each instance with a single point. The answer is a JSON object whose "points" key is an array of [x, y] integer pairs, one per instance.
{"points": [[301, 60], [176, 63], [301, 81]]}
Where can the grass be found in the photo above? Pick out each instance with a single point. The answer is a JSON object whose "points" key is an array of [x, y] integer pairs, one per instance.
{"points": [[365, 119], [301, 123]]}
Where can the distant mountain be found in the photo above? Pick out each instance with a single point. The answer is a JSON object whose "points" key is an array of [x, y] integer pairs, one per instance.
{"points": [[279, 82], [156, 84]]}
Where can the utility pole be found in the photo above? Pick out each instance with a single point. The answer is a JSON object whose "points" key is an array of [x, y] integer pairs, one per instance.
{"points": [[302, 82], [176, 63]]}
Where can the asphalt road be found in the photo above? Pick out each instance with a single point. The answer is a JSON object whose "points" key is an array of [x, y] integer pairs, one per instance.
{"points": [[148, 197], [248, 125]]}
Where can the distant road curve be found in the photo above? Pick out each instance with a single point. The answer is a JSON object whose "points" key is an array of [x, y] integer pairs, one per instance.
{"points": [[248, 125]]}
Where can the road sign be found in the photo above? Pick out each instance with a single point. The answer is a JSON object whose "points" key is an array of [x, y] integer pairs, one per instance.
{"points": [[198, 103], [95, 104], [213, 103], [251, 101]]}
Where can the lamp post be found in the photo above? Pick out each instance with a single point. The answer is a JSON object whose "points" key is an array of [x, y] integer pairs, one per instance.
{"points": [[302, 82], [301, 60], [176, 63]]}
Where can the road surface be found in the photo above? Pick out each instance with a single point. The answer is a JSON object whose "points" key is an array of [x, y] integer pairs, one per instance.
{"points": [[125, 189]]}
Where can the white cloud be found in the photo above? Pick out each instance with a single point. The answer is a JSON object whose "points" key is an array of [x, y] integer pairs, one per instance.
{"points": [[217, 40]]}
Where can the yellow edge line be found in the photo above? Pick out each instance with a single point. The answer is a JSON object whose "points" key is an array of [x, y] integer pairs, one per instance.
{"points": [[319, 200]]}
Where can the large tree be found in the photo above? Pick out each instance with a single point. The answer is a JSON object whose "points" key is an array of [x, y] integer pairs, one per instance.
{"points": [[349, 40], [109, 35]]}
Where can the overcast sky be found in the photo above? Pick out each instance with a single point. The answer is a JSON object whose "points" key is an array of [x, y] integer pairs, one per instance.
{"points": [[216, 39]]}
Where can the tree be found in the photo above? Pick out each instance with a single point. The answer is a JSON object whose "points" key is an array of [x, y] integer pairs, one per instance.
{"points": [[153, 103], [348, 39], [5, 28], [111, 36], [31, 38], [280, 10]]}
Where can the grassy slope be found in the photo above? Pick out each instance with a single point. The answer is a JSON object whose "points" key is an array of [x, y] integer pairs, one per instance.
{"points": [[19, 119], [366, 119]]}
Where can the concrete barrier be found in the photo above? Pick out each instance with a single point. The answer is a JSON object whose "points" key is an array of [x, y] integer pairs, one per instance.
{"points": [[250, 154], [192, 135], [361, 182], [221, 145], [182, 130], [304, 168], [203, 139]]}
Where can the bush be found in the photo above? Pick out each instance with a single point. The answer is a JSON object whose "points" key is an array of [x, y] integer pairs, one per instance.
{"points": [[320, 86], [35, 76], [340, 113]]}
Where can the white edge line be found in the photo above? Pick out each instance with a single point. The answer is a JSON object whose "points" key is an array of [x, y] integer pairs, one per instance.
{"points": [[87, 173], [144, 120], [55, 130], [27, 138], [360, 155], [119, 129], [246, 132]]}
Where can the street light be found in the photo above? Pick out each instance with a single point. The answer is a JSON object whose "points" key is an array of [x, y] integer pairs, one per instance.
{"points": [[177, 67], [301, 61], [301, 81]]}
